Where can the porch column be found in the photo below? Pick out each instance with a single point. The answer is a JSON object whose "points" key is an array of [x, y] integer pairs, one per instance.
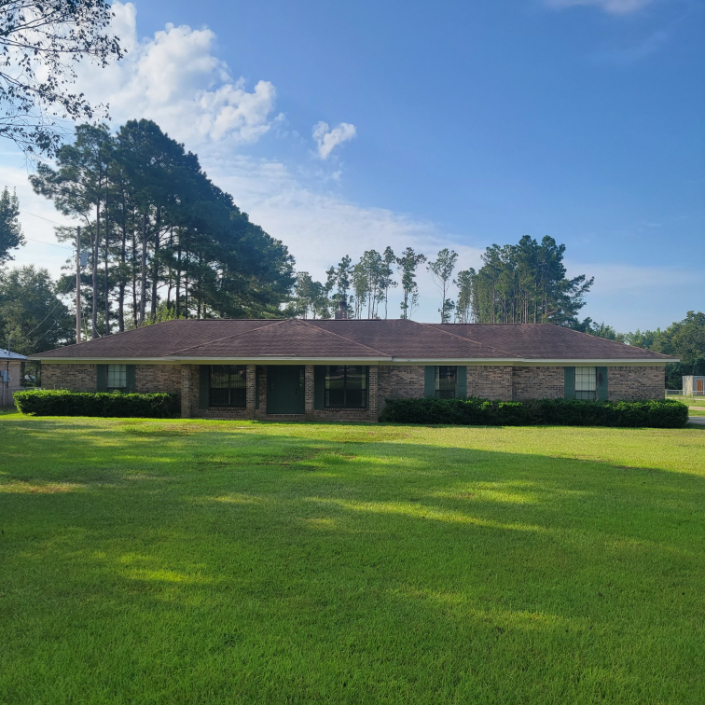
{"points": [[186, 391], [308, 392], [250, 387], [372, 392]]}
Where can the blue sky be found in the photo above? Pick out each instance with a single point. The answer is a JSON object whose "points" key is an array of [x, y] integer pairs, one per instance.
{"points": [[444, 124]]}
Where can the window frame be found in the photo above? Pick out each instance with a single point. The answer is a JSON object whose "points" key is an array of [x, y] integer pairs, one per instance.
{"points": [[585, 378], [365, 390], [123, 374], [25, 372], [443, 393], [235, 401]]}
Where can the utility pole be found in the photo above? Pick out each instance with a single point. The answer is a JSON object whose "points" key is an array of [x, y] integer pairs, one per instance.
{"points": [[78, 284]]}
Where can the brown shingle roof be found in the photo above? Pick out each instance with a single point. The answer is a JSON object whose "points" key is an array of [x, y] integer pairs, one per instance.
{"points": [[408, 339], [381, 340], [541, 341], [289, 338]]}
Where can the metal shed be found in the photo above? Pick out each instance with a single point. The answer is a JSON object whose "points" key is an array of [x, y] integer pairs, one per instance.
{"points": [[693, 386]]}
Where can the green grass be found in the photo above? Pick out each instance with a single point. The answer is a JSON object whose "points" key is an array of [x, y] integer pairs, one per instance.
{"points": [[234, 562], [696, 406]]}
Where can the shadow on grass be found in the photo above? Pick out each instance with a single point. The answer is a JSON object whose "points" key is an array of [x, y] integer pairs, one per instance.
{"points": [[360, 565]]}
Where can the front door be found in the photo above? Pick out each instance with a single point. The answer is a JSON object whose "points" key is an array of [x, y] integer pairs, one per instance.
{"points": [[699, 386], [285, 389]]}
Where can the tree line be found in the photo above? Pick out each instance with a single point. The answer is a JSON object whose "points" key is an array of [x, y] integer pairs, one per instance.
{"points": [[683, 339], [162, 239], [522, 283]]}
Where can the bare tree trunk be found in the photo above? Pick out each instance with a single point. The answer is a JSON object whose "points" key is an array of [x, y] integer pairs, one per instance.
{"points": [[134, 280], [143, 273], [94, 273], [155, 275], [106, 282], [178, 282], [121, 286]]}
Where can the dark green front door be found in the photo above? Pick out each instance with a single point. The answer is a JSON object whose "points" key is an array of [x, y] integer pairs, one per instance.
{"points": [[285, 389]]}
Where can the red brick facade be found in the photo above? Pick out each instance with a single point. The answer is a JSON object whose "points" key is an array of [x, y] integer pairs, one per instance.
{"points": [[503, 382], [537, 383]]}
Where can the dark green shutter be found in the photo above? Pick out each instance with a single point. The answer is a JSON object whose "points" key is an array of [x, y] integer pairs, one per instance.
{"points": [[319, 386], [429, 387], [602, 383], [367, 384], [462, 383], [102, 378], [256, 387], [569, 383], [131, 385], [204, 380]]}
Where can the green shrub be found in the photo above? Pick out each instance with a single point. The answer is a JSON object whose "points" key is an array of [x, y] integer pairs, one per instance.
{"points": [[663, 413], [65, 403]]}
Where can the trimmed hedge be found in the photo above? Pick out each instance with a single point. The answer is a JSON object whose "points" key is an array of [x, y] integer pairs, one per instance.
{"points": [[65, 403], [554, 412]]}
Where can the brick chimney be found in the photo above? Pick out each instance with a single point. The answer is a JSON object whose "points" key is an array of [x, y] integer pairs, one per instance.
{"points": [[341, 313]]}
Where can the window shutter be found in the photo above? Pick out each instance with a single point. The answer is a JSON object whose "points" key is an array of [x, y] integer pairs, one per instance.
{"points": [[101, 378], [257, 370], [602, 393], [569, 382], [319, 386], [462, 383], [131, 385], [429, 387], [204, 380]]}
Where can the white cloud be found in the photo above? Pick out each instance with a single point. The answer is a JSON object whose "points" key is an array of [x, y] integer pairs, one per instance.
{"points": [[327, 139], [613, 7], [175, 79]]}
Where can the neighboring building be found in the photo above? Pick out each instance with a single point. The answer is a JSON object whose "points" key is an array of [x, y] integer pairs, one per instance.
{"points": [[345, 369], [11, 369], [693, 386]]}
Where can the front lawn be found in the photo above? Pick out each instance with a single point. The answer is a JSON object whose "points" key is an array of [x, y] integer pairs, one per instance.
{"points": [[237, 562]]}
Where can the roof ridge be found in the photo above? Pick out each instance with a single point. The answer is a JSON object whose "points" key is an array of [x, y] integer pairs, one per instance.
{"points": [[489, 347], [342, 337], [274, 322]]}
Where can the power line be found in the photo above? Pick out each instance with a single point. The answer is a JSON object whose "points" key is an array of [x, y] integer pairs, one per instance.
{"points": [[41, 217], [58, 303], [50, 244]]}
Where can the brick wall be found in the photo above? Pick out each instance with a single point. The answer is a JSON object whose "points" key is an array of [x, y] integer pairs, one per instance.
{"points": [[538, 383], [633, 383], [399, 382], [151, 379], [393, 382], [74, 377], [490, 382]]}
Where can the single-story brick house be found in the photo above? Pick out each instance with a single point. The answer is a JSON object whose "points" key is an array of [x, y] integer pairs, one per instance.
{"points": [[345, 369]]}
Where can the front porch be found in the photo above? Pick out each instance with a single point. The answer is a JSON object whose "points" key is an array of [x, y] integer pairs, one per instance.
{"points": [[280, 392]]}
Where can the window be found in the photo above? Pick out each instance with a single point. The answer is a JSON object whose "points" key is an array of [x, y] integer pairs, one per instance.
{"points": [[117, 378], [228, 385], [586, 383], [446, 382], [30, 374], [346, 387]]}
